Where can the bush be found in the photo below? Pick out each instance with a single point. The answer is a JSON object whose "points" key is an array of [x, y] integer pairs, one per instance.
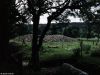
{"points": [[96, 53], [86, 48], [76, 52]]}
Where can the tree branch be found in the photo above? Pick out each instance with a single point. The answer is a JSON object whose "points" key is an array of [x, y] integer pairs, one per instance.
{"points": [[43, 33], [50, 18]]}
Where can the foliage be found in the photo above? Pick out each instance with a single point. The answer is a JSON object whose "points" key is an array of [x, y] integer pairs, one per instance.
{"points": [[96, 52], [19, 30], [86, 48], [15, 20], [54, 30], [71, 31], [76, 52]]}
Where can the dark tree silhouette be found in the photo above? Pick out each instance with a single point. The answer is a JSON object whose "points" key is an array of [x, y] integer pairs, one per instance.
{"points": [[89, 16], [9, 16], [96, 24], [4, 27]]}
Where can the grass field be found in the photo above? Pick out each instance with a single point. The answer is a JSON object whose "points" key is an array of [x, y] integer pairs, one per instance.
{"points": [[58, 49], [58, 52], [62, 50], [66, 48]]}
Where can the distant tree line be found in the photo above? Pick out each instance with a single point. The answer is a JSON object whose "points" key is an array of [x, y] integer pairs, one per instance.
{"points": [[75, 30]]}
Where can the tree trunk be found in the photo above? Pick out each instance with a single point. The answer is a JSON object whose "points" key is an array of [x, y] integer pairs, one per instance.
{"points": [[4, 30], [44, 33], [97, 39], [4, 37], [35, 49]]}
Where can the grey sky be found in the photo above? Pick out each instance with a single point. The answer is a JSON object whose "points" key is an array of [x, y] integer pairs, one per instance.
{"points": [[43, 19]]}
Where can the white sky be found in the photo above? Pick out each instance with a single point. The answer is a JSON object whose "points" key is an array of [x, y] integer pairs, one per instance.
{"points": [[43, 19]]}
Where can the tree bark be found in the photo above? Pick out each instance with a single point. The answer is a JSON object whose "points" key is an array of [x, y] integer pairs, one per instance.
{"points": [[35, 49]]}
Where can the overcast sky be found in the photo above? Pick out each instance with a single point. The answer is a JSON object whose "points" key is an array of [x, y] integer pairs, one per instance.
{"points": [[43, 19]]}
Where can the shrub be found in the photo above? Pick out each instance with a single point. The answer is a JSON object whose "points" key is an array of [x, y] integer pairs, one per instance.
{"points": [[86, 48], [95, 53], [76, 52]]}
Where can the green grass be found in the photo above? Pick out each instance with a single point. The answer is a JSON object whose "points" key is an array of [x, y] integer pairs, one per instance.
{"points": [[61, 50]]}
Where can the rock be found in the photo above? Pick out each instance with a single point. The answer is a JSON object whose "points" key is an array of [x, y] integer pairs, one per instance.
{"points": [[65, 69], [73, 70]]}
